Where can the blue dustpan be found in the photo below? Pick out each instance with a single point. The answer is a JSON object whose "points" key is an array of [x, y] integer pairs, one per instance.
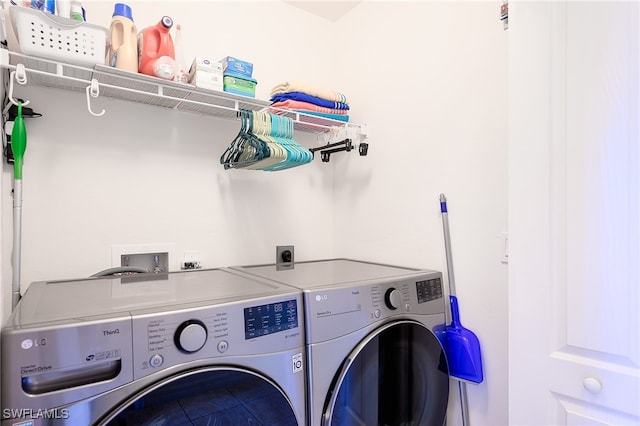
{"points": [[462, 347]]}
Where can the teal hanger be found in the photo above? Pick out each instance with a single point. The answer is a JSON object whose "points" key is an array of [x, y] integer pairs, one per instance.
{"points": [[264, 142]]}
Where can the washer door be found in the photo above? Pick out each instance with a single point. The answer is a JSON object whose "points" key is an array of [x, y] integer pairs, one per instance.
{"points": [[398, 375], [208, 396]]}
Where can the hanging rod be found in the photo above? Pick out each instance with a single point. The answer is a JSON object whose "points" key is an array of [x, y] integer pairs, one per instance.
{"points": [[346, 143], [332, 148], [140, 88]]}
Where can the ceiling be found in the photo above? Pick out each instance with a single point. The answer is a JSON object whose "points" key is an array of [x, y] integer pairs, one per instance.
{"points": [[328, 9]]}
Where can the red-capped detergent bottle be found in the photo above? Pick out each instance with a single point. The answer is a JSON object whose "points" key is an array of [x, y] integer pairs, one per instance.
{"points": [[153, 43]]}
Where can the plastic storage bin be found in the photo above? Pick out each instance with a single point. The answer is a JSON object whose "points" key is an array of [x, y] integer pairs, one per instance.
{"points": [[240, 86], [61, 39]]}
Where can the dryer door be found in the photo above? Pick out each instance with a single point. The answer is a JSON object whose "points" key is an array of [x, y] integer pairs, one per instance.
{"points": [[398, 375], [207, 396]]}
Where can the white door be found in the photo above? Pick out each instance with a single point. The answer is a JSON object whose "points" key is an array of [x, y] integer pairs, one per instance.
{"points": [[574, 313]]}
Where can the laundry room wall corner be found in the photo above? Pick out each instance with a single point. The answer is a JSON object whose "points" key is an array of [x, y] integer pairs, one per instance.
{"points": [[435, 93]]}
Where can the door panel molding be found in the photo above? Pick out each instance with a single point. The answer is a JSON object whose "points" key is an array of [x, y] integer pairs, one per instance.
{"points": [[574, 191]]}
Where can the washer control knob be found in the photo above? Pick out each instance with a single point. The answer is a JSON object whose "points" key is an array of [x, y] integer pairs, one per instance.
{"points": [[190, 336], [392, 298]]}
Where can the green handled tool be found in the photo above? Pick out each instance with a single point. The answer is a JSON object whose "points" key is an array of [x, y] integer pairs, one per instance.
{"points": [[18, 146]]}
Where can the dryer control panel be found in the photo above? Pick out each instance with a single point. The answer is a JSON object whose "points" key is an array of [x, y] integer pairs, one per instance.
{"points": [[428, 290], [338, 310]]}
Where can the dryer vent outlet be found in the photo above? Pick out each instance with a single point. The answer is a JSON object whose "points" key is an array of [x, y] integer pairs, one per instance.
{"points": [[284, 257]]}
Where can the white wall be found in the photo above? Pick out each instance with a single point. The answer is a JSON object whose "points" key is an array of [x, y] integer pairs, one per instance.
{"points": [[430, 80], [142, 174], [427, 77]]}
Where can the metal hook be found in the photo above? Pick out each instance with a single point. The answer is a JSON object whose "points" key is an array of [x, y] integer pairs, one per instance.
{"points": [[19, 75], [93, 90]]}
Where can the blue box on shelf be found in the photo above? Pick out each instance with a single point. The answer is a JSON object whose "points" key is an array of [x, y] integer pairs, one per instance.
{"points": [[238, 67]]}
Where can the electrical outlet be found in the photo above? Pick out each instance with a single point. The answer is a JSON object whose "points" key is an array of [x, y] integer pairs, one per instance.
{"points": [[191, 260], [285, 258]]}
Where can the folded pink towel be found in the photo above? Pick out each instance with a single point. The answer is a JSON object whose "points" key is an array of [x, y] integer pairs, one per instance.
{"points": [[298, 86], [292, 104]]}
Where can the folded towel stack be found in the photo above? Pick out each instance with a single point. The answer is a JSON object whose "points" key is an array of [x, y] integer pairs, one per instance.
{"points": [[301, 97]]}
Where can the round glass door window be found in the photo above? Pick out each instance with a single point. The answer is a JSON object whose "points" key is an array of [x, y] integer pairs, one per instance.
{"points": [[208, 397], [398, 376]]}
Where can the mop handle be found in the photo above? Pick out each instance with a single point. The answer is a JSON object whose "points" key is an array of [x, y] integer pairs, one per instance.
{"points": [[18, 145], [462, 386], [447, 244], [17, 239]]}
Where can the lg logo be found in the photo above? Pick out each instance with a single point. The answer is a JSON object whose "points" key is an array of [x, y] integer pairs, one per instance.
{"points": [[28, 343], [321, 297]]}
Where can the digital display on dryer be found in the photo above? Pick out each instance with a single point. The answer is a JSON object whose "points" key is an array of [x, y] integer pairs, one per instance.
{"points": [[271, 318], [429, 290]]}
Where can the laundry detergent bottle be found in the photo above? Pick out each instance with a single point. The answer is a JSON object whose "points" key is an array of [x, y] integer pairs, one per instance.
{"points": [[155, 42], [123, 49]]}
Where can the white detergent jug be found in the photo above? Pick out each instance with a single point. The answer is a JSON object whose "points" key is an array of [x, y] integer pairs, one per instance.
{"points": [[123, 50]]}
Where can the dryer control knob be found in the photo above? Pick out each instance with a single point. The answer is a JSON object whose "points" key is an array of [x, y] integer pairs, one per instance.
{"points": [[392, 298], [190, 336]]}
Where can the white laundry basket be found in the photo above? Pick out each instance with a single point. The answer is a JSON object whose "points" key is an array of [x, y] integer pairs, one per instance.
{"points": [[52, 37]]}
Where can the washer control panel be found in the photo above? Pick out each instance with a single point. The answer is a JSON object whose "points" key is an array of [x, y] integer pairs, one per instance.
{"points": [[261, 320], [336, 311], [163, 339]]}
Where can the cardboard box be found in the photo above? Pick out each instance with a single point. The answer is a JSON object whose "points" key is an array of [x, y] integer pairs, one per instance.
{"points": [[232, 65], [206, 74]]}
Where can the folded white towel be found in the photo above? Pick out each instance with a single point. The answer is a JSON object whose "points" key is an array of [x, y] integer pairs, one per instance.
{"points": [[298, 86]]}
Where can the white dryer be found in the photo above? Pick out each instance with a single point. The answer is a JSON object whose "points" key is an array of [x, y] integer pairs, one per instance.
{"points": [[373, 358], [185, 348]]}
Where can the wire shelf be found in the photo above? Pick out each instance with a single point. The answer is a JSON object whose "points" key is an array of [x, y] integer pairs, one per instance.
{"points": [[140, 88]]}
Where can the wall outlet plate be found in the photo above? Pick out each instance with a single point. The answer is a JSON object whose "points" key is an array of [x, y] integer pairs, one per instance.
{"points": [[285, 258], [191, 260]]}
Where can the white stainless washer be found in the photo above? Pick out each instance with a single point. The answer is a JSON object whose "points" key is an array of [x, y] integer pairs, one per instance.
{"points": [[373, 358], [185, 348]]}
